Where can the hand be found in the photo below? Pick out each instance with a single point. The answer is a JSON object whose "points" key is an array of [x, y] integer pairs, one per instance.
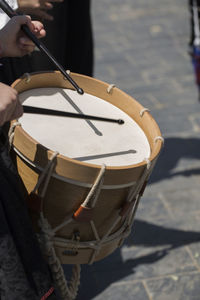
{"points": [[10, 107], [37, 8], [13, 42]]}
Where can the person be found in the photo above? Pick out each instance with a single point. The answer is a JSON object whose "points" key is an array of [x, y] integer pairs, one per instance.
{"points": [[194, 40], [69, 38], [14, 43], [24, 274], [194, 27]]}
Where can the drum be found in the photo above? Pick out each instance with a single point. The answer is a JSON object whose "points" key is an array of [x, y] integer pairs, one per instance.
{"points": [[84, 178]]}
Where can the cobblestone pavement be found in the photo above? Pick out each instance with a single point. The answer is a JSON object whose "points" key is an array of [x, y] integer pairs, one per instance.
{"points": [[142, 47]]}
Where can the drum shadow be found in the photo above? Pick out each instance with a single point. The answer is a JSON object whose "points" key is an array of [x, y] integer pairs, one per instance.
{"points": [[150, 235], [83, 158], [39, 92], [99, 276], [174, 150], [117, 267], [51, 91], [78, 110]]}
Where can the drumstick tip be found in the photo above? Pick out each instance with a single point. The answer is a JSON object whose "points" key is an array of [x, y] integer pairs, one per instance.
{"points": [[120, 121], [80, 91]]}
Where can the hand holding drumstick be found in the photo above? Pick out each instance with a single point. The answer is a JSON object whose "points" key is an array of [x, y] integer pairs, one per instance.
{"points": [[13, 42]]}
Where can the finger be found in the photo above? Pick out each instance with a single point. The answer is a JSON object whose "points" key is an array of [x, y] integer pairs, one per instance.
{"points": [[30, 24], [17, 112], [48, 5], [2, 118], [39, 29], [26, 49], [46, 16], [56, 0], [14, 92], [22, 20], [40, 34], [24, 41], [41, 14]]}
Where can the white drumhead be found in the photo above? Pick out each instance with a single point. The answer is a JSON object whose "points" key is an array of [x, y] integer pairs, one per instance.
{"points": [[94, 142]]}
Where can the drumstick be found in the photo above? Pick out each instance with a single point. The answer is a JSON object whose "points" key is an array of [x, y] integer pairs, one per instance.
{"points": [[51, 112], [11, 13]]}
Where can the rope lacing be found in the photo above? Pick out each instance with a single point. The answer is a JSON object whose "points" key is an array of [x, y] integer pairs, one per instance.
{"points": [[68, 291]]}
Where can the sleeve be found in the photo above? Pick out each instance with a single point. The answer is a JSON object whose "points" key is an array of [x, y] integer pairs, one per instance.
{"points": [[3, 17]]}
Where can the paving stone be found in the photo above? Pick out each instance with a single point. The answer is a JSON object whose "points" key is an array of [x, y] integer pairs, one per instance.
{"points": [[142, 47], [149, 262], [194, 250], [128, 291], [152, 210], [177, 287], [183, 201]]}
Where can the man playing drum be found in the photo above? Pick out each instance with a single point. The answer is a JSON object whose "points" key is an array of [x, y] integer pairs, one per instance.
{"points": [[23, 272], [69, 37]]}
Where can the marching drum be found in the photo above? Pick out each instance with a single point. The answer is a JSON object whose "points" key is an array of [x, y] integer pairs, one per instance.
{"points": [[84, 178]]}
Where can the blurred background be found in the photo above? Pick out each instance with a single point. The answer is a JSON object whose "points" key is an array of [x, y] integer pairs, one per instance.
{"points": [[142, 47]]}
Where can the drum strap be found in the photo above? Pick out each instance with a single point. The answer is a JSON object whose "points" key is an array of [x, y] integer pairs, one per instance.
{"points": [[67, 291]]}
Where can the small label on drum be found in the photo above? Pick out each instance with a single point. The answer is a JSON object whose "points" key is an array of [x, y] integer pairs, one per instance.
{"points": [[70, 252]]}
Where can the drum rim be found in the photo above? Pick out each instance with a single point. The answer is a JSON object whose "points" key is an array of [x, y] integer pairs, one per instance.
{"points": [[19, 130]]}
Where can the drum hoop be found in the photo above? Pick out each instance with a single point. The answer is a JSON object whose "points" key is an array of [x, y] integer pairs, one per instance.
{"points": [[71, 181], [94, 168]]}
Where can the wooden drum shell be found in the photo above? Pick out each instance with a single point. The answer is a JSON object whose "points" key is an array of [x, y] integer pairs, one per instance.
{"points": [[64, 197]]}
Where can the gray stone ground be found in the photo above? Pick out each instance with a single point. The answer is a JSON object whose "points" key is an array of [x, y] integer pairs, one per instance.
{"points": [[142, 47]]}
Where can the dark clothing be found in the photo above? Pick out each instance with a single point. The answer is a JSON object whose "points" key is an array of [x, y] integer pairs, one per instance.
{"points": [[24, 274], [69, 39], [23, 271]]}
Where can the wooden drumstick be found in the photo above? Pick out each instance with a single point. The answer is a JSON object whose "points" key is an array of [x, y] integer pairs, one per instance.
{"points": [[11, 13], [51, 112]]}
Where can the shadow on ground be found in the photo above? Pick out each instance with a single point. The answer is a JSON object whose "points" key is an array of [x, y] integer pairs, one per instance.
{"points": [[173, 151], [97, 277]]}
